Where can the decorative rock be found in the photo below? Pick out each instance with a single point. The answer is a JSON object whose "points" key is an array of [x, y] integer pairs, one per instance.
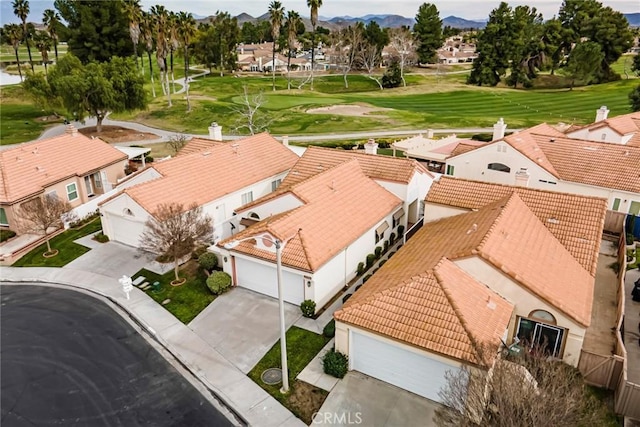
{"points": [[146, 287], [139, 280], [142, 285], [165, 302]]}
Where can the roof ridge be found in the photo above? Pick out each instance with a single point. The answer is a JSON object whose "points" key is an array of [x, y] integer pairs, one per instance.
{"points": [[508, 200], [548, 166], [358, 153], [305, 248]]}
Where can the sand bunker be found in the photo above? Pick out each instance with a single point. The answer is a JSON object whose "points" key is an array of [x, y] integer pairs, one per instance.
{"points": [[346, 110]]}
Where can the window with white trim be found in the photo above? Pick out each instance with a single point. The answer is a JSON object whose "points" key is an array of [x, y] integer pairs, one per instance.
{"points": [[3, 217], [97, 179], [275, 184], [541, 335], [247, 197], [397, 217], [72, 191]]}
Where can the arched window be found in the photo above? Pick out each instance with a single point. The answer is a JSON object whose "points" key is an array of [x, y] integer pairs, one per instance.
{"points": [[543, 315], [254, 215], [499, 167], [128, 212]]}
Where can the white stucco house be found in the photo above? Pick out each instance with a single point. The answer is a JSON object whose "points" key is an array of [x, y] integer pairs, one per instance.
{"points": [[220, 177], [333, 208], [508, 269], [543, 157]]}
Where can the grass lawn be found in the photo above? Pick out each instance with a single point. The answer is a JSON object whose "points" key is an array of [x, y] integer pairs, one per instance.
{"points": [[302, 346], [187, 300], [63, 242]]}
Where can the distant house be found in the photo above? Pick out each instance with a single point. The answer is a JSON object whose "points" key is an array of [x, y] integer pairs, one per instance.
{"points": [[543, 157], [70, 166], [497, 272], [220, 177], [333, 208], [456, 51]]}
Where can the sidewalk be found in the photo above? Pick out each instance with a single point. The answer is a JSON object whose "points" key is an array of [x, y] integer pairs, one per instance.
{"points": [[229, 384]]}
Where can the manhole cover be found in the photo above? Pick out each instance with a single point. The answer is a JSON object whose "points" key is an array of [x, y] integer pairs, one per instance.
{"points": [[272, 376]]}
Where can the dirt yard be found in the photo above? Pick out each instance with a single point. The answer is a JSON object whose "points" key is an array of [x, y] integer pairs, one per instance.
{"points": [[347, 110], [113, 134]]}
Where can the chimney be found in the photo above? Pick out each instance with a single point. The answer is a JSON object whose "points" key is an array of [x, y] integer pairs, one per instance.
{"points": [[215, 132], [371, 147], [71, 130], [602, 113], [285, 141], [498, 129], [430, 133], [522, 178]]}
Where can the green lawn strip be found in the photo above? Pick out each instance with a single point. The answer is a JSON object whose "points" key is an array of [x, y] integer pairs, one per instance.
{"points": [[63, 242], [187, 300], [302, 347]]}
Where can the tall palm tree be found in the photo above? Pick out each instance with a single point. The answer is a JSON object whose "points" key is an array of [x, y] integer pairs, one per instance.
{"points": [[21, 10], [314, 5], [186, 31], [161, 21], [172, 40], [133, 11], [51, 20], [146, 31], [42, 41], [14, 35], [293, 20], [276, 15]]}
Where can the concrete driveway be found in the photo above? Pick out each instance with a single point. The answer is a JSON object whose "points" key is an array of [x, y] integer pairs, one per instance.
{"points": [[361, 400], [243, 325], [111, 259]]}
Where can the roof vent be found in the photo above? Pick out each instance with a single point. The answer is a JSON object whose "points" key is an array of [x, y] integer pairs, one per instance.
{"points": [[35, 150], [552, 140], [39, 168], [473, 229], [206, 153], [235, 148], [553, 220], [590, 148], [490, 304]]}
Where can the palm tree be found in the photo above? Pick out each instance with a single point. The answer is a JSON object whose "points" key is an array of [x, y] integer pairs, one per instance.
{"points": [[51, 20], [161, 20], [186, 31], [21, 10], [42, 41], [172, 36], [146, 31], [314, 5], [293, 20], [133, 11], [276, 15], [14, 35]]}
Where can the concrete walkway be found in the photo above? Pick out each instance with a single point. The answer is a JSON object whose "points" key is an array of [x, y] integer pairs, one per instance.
{"points": [[227, 382], [314, 374]]}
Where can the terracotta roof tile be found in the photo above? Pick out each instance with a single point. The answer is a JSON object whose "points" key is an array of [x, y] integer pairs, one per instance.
{"points": [[195, 145], [320, 230], [623, 124], [28, 168], [504, 233], [387, 168], [576, 221], [465, 146], [202, 177]]}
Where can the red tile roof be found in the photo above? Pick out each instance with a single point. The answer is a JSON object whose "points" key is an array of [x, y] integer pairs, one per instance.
{"points": [[338, 208], [28, 168], [196, 144]]}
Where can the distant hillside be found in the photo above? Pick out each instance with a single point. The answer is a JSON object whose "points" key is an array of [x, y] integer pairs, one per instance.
{"points": [[385, 21], [633, 18], [456, 22]]}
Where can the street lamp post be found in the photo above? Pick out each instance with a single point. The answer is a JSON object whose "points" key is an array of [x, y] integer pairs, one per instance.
{"points": [[283, 338]]}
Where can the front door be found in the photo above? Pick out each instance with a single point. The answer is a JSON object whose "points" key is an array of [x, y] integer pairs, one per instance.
{"points": [[87, 183]]}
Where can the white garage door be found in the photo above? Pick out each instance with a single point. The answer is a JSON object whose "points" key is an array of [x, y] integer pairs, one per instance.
{"points": [[262, 278], [125, 231], [411, 371]]}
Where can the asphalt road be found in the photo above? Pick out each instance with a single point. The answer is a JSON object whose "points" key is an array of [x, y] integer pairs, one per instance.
{"points": [[68, 359]]}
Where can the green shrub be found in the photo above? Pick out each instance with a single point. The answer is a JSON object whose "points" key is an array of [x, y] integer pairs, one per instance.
{"points": [[329, 330], [382, 263], [346, 297], [198, 251], [6, 234], [335, 363], [208, 261], [360, 268], [385, 246], [219, 282], [629, 239], [148, 159], [393, 76], [365, 278], [101, 237], [400, 230], [391, 254], [378, 251], [308, 308], [371, 258], [392, 238]]}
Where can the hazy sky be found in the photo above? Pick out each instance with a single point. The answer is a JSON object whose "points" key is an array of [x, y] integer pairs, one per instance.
{"points": [[469, 9]]}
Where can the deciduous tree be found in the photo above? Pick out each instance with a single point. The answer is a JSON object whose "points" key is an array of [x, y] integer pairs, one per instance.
{"points": [[403, 45], [249, 111], [428, 32], [176, 142], [173, 232], [44, 215]]}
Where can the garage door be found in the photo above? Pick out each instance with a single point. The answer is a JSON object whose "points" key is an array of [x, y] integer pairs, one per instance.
{"points": [[125, 231], [411, 371], [262, 278]]}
